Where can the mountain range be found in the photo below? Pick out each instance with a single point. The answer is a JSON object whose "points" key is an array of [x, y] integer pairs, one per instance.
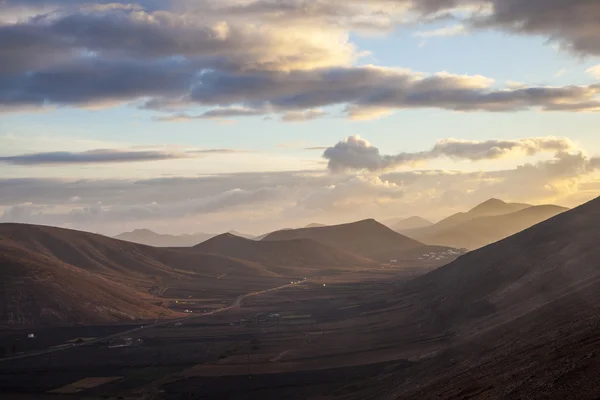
{"points": [[487, 223], [56, 275], [367, 238]]}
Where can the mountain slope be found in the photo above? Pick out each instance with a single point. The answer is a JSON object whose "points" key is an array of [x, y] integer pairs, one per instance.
{"points": [[294, 253], [39, 289], [482, 231], [104, 255], [366, 238], [524, 308], [53, 275], [411, 223], [150, 238]]}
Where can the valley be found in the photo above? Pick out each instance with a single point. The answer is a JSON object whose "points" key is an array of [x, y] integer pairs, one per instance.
{"points": [[307, 314]]}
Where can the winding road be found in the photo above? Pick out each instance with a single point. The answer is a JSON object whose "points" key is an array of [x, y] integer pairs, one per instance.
{"points": [[235, 304]]}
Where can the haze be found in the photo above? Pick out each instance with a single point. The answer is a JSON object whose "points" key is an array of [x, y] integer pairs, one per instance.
{"points": [[205, 116]]}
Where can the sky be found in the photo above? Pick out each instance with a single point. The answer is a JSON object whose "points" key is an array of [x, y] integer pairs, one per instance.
{"points": [[186, 116]]}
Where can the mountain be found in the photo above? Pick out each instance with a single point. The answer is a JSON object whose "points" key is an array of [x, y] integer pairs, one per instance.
{"points": [[53, 275], [516, 319], [496, 207], [150, 238], [240, 234], [488, 208], [315, 225], [366, 238], [40, 289], [410, 223], [264, 235], [285, 253], [482, 231]]}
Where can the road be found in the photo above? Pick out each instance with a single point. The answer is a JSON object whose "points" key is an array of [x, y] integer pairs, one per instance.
{"points": [[236, 303]]}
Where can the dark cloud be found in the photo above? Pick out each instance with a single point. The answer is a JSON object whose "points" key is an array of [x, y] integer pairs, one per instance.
{"points": [[96, 82], [260, 57], [575, 24], [373, 87], [355, 153], [221, 113], [100, 156]]}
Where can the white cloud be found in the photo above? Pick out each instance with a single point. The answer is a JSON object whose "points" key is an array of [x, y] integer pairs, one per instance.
{"points": [[449, 31], [594, 71], [256, 202], [355, 153]]}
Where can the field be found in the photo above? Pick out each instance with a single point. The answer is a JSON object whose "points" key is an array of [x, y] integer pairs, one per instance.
{"points": [[288, 343]]}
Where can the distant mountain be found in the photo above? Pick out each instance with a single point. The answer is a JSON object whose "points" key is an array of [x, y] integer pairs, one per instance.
{"points": [[53, 275], [150, 238], [410, 223], [366, 238], [489, 208], [264, 235], [286, 253], [240, 234], [481, 231]]}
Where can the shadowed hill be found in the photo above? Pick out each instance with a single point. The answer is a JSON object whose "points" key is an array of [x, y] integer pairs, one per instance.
{"points": [[288, 253], [532, 296], [39, 289], [104, 255], [482, 231], [366, 238], [53, 275]]}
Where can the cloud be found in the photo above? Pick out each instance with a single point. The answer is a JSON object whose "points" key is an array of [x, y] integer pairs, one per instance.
{"points": [[302, 116], [320, 148], [560, 73], [359, 191], [377, 88], [594, 71], [219, 113], [106, 156], [572, 23], [123, 32], [260, 57], [294, 198], [454, 30], [355, 153]]}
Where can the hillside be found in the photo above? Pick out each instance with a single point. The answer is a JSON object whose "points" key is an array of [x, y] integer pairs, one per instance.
{"points": [[366, 238], [39, 289], [287, 253], [103, 255], [53, 275], [482, 231], [150, 238], [532, 296], [410, 223]]}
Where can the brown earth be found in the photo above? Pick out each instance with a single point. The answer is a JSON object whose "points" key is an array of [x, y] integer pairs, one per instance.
{"points": [[288, 253], [521, 316], [366, 238]]}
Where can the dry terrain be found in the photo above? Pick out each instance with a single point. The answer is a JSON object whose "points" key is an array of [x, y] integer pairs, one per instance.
{"points": [[518, 319]]}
